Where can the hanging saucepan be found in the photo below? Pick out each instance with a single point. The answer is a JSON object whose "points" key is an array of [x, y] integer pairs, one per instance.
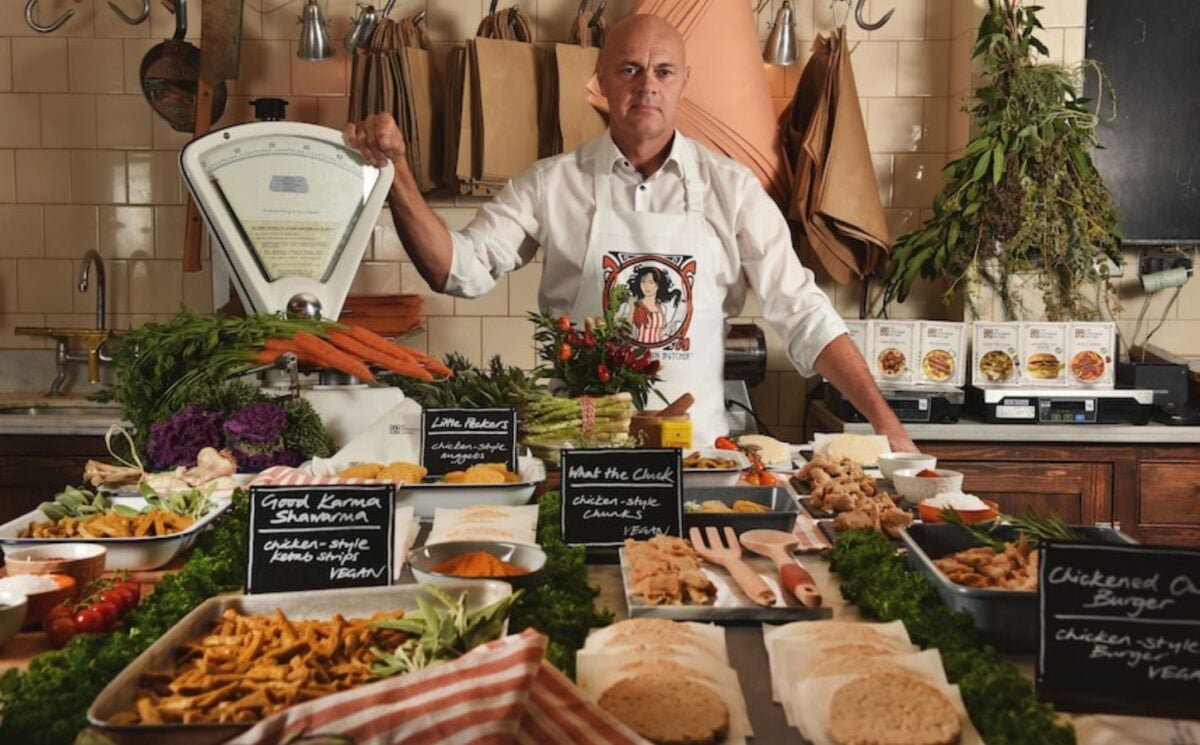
{"points": [[169, 73]]}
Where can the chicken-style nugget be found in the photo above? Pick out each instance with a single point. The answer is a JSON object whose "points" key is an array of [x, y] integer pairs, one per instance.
{"points": [[454, 477], [361, 471], [483, 476], [409, 473]]}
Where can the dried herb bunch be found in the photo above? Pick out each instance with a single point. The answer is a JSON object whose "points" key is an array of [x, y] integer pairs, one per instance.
{"points": [[1025, 195]]}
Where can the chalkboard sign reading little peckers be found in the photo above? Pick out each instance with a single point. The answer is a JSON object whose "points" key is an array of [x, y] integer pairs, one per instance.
{"points": [[320, 537], [456, 439], [611, 494], [1120, 629]]}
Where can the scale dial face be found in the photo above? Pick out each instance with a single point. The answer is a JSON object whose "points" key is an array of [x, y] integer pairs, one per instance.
{"points": [[294, 199]]}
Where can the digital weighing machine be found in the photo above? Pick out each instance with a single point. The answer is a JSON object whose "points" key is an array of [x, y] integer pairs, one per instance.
{"points": [[1063, 405], [913, 404]]}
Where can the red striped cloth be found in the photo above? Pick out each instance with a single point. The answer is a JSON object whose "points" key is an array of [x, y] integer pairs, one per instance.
{"points": [[500, 692], [810, 535], [287, 476]]}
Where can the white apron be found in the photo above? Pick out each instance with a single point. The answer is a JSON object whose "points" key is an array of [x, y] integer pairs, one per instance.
{"points": [[667, 265]]}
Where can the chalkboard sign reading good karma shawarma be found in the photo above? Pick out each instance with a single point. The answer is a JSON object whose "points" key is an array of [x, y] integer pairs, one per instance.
{"points": [[320, 537], [456, 439], [1120, 629], [611, 494]]}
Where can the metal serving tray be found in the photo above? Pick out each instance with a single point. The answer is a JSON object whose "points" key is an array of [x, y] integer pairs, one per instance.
{"points": [[1006, 618], [121, 693], [731, 604], [781, 517], [134, 554], [424, 498]]}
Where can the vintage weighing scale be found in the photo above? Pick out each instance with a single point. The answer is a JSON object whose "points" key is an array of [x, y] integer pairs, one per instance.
{"points": [[290, 210]]}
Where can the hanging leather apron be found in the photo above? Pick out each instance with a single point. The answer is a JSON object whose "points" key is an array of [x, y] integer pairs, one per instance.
{"points": [[666, 265]]}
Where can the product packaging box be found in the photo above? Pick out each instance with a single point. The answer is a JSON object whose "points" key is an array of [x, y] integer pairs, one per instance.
{"points": [[892, 351], [941, 348], [1092, 355], [1043, 354], [860, 334], [996, 354]]}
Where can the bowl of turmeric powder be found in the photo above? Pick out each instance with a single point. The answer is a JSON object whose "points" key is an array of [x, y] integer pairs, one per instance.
{"points": [[515, 563]]}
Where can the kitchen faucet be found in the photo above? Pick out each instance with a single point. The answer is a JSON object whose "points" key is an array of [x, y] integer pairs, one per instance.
{"points": [[95, 339], [89, 258]]}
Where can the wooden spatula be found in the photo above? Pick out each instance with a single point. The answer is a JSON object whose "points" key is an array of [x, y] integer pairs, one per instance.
{"points": [[729, 555], [777, 545]]}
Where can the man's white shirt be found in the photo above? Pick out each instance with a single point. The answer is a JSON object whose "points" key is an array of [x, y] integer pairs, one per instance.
{"points": [[551, 205]]}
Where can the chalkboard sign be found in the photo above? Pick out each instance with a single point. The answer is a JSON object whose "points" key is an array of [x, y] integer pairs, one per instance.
{"points": [[611, 494], [1149, 161], [319, 537], [1119, 629], [456, 439]]}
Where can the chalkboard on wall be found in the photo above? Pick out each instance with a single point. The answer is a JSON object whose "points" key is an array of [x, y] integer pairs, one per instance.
{"points": [[1150, 159]]}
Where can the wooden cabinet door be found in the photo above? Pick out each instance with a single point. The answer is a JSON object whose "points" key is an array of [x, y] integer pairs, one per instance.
{"points": [[1169, 502], [35, 468], [1080, 493]]}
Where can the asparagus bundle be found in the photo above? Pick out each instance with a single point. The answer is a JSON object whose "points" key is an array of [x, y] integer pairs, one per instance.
{"points": [[549, 420]]}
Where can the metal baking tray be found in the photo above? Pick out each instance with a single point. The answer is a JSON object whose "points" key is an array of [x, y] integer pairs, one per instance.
{"points": [[781, 517], [134, 554], [1006, 618], [121, 692], [818, 514], [731, 604]]}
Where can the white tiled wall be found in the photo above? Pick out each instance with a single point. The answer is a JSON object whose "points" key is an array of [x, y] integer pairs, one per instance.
{"points": [[85, 164]]}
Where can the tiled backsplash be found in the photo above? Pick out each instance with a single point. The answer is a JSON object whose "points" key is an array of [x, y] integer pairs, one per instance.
{"points": [[85, 163]]}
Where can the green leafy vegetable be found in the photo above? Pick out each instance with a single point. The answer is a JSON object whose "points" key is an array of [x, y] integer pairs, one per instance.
{"points": [[562, 606], [440, 635], [1000, 699], [1034, 527], [496, 386]]}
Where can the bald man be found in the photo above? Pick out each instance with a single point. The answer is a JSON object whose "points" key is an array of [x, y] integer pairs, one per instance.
{"points": [[673, 231]]}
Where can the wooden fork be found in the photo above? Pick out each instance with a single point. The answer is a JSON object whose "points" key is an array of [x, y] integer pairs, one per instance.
{"points": [[729, 555]]}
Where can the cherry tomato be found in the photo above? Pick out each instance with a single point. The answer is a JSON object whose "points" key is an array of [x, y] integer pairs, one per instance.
{"points": [[724, 443], [564, 322], [89, 621], [109, 612], [653, 367], [589, 339], [62, 610], [134, 589], [60, 630], [120, 597], [603, 373], [564, 353]]}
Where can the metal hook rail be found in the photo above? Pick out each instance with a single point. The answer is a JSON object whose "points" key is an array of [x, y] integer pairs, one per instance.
{"points": [[29, 6], [131, 20]]}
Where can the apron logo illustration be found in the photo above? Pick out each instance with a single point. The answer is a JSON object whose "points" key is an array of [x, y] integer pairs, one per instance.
{"points": [[655, 292]]}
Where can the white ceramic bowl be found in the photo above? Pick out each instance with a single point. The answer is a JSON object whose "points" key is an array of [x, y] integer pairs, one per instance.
{"points": [[889, 463], [693, 477], [531, 558], [915, 488], [12, 615], [83, 561]]}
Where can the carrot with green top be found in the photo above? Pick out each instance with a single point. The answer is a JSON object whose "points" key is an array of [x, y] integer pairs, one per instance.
{"points": [[375, 341], [328, 355], [350, 345]]}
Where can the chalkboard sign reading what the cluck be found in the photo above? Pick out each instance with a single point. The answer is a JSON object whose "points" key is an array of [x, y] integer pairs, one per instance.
{"points": [[1120, 629], [456, 439], [611, 494], [320, 537]]}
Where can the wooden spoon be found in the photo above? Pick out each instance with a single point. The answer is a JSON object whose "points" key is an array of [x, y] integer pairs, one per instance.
{"points": [[777, 546]]}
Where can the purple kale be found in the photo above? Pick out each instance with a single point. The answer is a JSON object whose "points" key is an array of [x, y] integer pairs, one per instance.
{"points": [[256, 424], [177, 441]]}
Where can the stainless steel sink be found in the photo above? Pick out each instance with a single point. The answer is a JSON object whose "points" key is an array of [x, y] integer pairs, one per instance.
{"points": [[105, 412]]}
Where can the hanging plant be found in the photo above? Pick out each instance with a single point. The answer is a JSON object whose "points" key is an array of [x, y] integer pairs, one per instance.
{"points": [[1025, 196]]}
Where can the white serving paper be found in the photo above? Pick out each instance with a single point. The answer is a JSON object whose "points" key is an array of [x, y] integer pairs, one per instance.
{"points": [[821, 442], [485, 523], [638, 632], [792, 649], [599, 670], [407, 527]]}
